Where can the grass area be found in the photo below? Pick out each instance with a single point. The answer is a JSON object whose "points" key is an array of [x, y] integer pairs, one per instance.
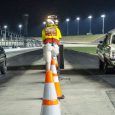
{"points": [[90, 50], [83, 38]]}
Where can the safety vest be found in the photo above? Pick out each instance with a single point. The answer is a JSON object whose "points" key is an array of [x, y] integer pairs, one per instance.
{"points": [[51, 35]]}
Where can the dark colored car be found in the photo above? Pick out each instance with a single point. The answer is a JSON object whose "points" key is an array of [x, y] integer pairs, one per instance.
{"points": [[3, 65]]}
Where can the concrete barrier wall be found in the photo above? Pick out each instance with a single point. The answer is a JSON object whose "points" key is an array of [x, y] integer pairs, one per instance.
{"points": [[16, 43], [11, 43]]}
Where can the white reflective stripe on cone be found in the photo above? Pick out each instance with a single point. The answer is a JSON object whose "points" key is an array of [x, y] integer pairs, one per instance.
{"points": [[49, 91], [56, 79], [51, 110], [53, 68]]}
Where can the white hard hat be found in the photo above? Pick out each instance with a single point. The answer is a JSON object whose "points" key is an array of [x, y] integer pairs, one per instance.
{"points": [[52, 17], [50, 22], [56, 22]]}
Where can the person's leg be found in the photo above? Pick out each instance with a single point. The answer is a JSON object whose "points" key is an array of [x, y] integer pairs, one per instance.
{"points": [[55, 53], [55, 50], [48, 60], [47, 55]]}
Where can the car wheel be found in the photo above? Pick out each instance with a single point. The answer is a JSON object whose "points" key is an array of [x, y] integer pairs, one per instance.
{"points": [[105, 67], [3, 68], [101, 65]]}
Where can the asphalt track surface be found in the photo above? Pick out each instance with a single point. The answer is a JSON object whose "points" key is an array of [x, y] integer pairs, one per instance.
{"points": [[87, 91]]}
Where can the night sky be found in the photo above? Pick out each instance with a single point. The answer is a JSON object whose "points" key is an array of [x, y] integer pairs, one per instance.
{"points": [[11, 11]]}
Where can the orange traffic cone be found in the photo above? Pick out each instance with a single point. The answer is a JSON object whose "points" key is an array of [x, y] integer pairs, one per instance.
{"points": [[56, 80], [56, 63], [50, 103]]}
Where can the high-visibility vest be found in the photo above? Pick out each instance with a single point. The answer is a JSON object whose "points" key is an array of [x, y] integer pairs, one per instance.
{"points": [[51, 34]]}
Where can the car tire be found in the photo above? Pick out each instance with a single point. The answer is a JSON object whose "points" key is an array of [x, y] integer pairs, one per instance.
{"points": [[105, 67], [101, 65], [4, 68]]}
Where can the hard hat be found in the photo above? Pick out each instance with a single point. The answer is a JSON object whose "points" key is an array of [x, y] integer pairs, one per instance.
{"points": [[56, 22], [53, 17], [49, 22]]}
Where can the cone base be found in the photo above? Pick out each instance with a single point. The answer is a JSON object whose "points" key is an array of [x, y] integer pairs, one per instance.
{"points": [[51, 110], [62, 97]]}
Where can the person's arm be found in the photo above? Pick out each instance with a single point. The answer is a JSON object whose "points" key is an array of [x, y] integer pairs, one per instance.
{"points": [[59, 33], [43, 35]]}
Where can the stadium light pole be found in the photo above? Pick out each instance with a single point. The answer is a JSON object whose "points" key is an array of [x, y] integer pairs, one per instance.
{"points": [[90, 28], [103, 25], [67, 20], [20, 28], [5, 28], [0, 31], [78, 19]]}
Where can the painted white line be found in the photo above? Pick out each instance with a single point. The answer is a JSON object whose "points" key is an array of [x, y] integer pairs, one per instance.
{"points": [[20, 49]]}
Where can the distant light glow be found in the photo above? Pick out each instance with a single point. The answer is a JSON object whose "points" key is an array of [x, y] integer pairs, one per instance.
{"points": [[90, 17], [26, 15], [5, 26], [67, 20], [78, 18], [103, 15], [57, 21], [20, 26], [44, 23]]}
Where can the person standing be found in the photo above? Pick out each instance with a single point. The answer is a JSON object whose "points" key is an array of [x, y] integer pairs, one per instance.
{"points": [[51, 36]]}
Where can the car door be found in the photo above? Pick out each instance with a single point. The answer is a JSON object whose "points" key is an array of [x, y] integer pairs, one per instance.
{"points": [[106, 47]]}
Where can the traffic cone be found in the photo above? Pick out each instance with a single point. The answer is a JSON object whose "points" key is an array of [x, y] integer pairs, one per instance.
{"points": [[50, 103], [56, 80], [56, 62]]}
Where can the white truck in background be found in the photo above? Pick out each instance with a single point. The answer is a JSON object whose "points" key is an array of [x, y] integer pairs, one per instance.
{"points": [[106, 52]]}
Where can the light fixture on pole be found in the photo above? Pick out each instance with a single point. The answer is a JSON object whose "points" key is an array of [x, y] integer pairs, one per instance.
{"points": [[5, 27], [44, 23], [90, 19], [103, 25], [78, 19], [67, 20], [20, 27]]}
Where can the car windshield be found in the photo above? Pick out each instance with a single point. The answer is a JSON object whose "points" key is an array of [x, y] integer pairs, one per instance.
{"points": [[113, 39], [107, 39]]}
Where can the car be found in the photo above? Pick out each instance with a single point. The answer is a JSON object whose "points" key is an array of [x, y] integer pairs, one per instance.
{"points": [[3, 61], [106, 52]]}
